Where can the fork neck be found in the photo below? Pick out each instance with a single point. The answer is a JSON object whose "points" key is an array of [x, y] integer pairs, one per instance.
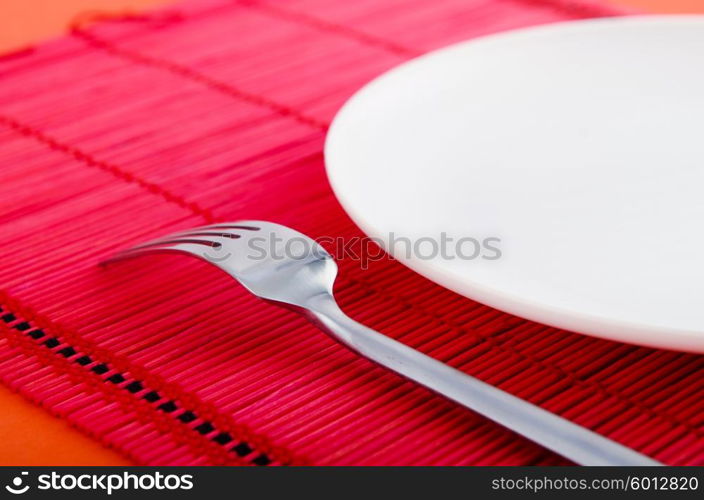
{"points": [[326, 314]]}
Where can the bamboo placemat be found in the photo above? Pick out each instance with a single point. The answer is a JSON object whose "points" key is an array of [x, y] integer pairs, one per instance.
{"points": [[139, 125]]}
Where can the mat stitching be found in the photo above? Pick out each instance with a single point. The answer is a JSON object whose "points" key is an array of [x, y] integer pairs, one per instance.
{"points": [[419, 308], [102, 361], [583, 7], [330, 27], [80, 377], [191, 74], [90, 160], [296, 16]]}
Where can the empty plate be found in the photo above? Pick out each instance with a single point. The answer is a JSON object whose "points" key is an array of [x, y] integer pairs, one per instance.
{"points": [[556, 173]]}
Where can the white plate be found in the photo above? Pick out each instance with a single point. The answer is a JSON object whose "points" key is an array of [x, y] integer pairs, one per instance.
{"points": [[580, 145]]}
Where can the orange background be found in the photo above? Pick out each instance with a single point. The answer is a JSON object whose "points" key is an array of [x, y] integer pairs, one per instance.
{"points": [[23, 22], [28, 434]]}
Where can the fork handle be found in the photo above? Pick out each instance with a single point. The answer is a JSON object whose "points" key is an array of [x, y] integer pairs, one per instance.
{"points": [[566, 438]]}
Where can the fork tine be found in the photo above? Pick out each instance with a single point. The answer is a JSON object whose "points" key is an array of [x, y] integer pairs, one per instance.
{"points": [[213, 230], [199, 231], [201, 240], [189, 241], [223, 227], [146, 249], [232, 225]]}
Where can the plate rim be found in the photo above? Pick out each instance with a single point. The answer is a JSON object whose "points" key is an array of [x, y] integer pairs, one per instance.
{"points": [[630, 332]]}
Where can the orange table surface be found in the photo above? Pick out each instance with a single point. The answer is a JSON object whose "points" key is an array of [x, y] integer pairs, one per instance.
{"points": [[28, 434]]}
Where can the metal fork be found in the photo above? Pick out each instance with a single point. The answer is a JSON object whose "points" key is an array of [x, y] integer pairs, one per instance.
{"points": [[291, 270]]}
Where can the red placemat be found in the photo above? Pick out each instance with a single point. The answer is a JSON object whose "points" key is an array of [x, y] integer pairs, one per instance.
{"points": [[210, 111]]}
